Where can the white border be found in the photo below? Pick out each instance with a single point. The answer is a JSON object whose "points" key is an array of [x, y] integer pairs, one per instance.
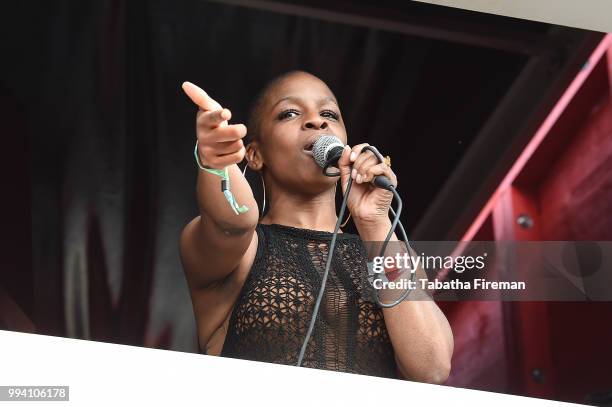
{"points": [[588, 14], [103, 374]]}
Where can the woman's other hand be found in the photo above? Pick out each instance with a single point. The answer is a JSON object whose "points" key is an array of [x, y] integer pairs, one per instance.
{"points": [[369, 205]]}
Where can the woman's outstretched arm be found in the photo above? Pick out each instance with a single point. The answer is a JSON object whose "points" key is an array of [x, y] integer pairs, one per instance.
{"points": [[213, 244]]}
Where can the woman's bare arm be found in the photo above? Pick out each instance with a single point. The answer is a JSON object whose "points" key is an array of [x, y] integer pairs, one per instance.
{"points": [[213, 244], [420, 333]]}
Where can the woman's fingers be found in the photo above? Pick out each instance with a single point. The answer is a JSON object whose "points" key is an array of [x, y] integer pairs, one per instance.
{"points": [[356, 151], [361, 162], [212, 119], [229, 159], [359, 158], [379, 169], [366, 166], [222, 146], [363, 157], [227, 147], [344, 165], [365, 161], [222, 157], [199, 97], [231, 132]]}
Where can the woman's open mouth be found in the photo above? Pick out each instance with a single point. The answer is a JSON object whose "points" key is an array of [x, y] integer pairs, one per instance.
{"points": [[308, 148]]}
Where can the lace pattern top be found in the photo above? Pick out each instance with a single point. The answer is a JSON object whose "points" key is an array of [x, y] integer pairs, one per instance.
{"points": [[272, 313]]}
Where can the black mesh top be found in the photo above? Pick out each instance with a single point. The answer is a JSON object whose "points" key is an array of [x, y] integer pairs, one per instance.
{"points": [[272, 313]]}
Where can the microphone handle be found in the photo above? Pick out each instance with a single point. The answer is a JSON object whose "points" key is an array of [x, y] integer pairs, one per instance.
{"points": [[380, 181]]}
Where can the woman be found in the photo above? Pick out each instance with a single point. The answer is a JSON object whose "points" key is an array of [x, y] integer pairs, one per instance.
{"points": [[253, 282]]}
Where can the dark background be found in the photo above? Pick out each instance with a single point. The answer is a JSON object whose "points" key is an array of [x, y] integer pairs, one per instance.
{"points": [[98, 136]]}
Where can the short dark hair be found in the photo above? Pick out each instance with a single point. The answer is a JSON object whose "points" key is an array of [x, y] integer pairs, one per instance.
{"points": [[253, 122]]}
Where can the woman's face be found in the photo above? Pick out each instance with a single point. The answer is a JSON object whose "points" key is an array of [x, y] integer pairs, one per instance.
{"points": [[296, 112]]}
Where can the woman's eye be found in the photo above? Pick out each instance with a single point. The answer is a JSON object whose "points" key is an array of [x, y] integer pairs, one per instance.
{"points": [[330, 114], [288, 114]]}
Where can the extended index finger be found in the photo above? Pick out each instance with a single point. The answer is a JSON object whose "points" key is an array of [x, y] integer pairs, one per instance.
{"points": [[199, 97]]}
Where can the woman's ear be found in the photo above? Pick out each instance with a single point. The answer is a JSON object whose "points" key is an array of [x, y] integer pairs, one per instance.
{"points": [[253, 156]]}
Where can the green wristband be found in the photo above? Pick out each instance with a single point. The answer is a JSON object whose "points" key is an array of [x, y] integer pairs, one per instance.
{"points": [[225, 184]]}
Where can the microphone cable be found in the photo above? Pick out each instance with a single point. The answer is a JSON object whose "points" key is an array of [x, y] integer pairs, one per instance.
{"points": [[381, 182]]}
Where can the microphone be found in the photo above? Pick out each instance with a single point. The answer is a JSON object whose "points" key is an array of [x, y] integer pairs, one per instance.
{"points": [[327, 150]]}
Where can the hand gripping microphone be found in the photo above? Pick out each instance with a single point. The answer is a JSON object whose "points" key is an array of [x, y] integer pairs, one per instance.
{"points": [[327, 151]]}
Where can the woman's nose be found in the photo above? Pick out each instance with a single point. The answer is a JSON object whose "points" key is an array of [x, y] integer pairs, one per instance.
{"points": [[315, 124]]}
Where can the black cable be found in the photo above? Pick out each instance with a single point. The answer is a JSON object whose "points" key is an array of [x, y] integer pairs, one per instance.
{"points": [[396, 220], [330, 252]]}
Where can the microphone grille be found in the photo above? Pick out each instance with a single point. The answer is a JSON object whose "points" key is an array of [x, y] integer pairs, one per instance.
{"points": [[322, 146]]}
